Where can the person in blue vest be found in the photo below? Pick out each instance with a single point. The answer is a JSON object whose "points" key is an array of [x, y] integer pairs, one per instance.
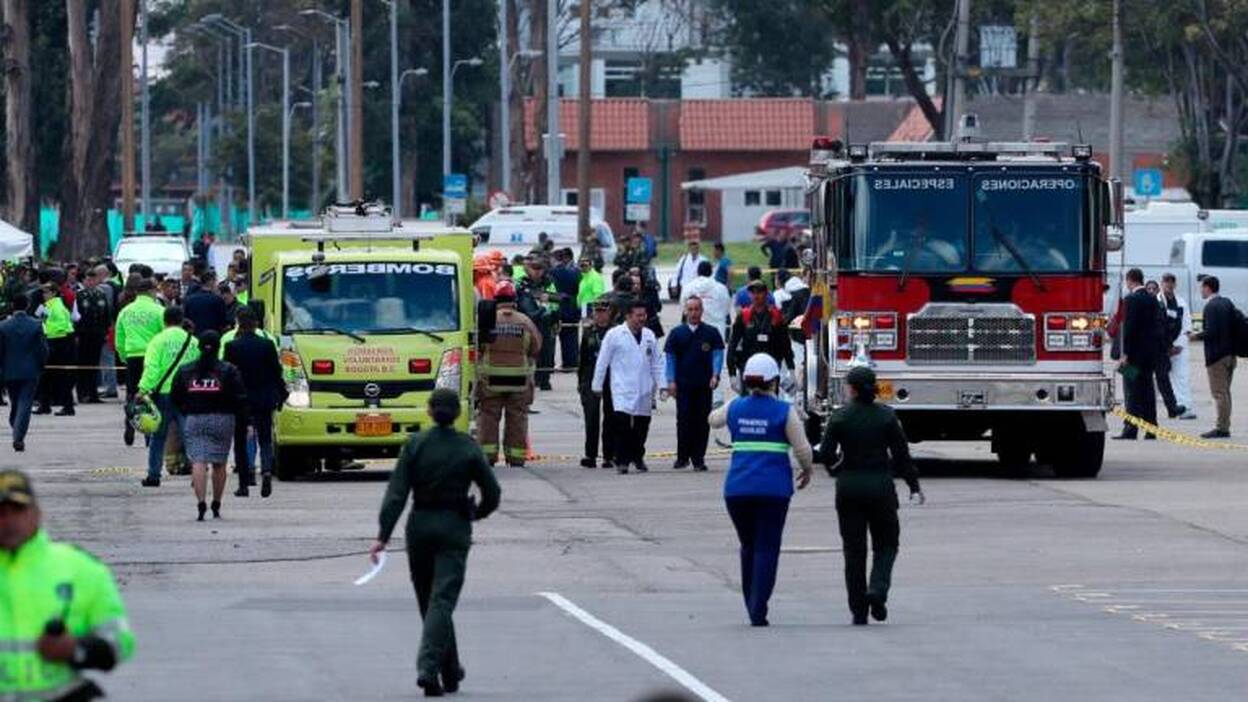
{"points": [[760, 479]]}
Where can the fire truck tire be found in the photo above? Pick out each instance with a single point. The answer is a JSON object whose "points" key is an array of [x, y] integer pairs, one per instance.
{"points": [[1083, 455], [290, 463]]}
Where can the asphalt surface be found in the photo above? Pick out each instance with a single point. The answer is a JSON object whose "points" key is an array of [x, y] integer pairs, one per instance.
{"points": [[1130, 587]]}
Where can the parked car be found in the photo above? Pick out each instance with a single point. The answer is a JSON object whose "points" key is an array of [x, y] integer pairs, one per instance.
{"points": [[789, 223], [165, 254], [515, 229]]}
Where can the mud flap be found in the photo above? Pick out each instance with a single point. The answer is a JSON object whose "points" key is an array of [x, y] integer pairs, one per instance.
{"points": [[1094, 421]]}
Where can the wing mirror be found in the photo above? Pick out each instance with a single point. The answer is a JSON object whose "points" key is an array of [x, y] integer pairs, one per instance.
{"points": [[1116, 205]]}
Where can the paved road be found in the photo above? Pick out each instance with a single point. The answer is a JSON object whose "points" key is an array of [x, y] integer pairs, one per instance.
{"points": [[1131, 587]]}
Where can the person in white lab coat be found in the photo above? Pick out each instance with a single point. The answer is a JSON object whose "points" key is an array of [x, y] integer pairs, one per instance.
{"points": [[686, 269], [1178, 316], [631, 353]]}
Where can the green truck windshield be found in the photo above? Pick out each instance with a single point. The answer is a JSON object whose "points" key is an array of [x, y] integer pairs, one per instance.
{"points": [[373, 297]]}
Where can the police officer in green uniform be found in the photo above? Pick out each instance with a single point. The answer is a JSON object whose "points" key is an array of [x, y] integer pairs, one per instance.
{"points": [[437, 467], [60, 612], [596, 408], [865, 435]]}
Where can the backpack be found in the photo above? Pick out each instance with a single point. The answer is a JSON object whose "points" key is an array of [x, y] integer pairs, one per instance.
{"points": [[1239, 332]]}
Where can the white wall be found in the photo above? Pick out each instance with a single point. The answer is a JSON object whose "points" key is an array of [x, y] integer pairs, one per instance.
{"points": [[710, 79], [737, 220]]}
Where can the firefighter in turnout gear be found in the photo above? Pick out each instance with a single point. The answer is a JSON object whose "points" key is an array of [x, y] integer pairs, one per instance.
{"points": [[506, 379]]}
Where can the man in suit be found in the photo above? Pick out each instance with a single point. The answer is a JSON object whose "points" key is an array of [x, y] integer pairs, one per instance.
{"points": [[257, 361], [23, 351], [1143, 328], [1218, 335]]}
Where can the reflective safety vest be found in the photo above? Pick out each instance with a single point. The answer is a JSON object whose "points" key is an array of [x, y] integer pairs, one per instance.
{"points": [[760, 450], [506, 362], [59, 323], [43, 581]]}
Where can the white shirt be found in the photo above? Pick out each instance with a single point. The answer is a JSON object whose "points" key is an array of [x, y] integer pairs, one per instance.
{"points": [[636, 369], [716, 301], [687, 268]]}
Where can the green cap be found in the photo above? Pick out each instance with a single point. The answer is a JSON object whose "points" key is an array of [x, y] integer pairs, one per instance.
{"points": [[15, 487], [861, 376]]}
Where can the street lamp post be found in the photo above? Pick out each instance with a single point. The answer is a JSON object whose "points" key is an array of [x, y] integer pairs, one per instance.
{"points": [[224, 90], [146, 120], [504, 85], [448, 85], [244, 35], [342, 68], [314, 200], [396, 155], [285, 54]]}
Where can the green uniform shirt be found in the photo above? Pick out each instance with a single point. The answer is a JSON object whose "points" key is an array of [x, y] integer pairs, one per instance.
{"points": [[592, 287], [43, 581], [866, 435], [58, 323], [437, 467], [137, 324], [161, 354]]}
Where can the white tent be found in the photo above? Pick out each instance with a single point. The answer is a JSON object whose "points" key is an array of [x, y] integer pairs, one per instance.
{"points": [[15, 243]]}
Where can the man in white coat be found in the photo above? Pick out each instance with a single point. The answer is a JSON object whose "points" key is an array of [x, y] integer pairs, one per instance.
{"points": [[631, 353], [686, 269], [1179, 316], [716, 306]]}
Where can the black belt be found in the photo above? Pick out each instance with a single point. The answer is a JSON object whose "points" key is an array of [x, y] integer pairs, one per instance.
{"points": [[466, 507]]}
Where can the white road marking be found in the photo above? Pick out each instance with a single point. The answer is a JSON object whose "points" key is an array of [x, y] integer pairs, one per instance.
{"points": [[654, 658]]}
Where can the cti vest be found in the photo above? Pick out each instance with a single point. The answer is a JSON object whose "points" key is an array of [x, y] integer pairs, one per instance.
{"points": [[760, 450], [505, 360]]}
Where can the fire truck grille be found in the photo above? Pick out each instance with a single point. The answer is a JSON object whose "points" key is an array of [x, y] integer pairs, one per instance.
{"points": [[994, 339]]}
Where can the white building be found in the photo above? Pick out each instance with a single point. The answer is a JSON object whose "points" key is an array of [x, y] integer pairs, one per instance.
{"points": [[745, 197]]}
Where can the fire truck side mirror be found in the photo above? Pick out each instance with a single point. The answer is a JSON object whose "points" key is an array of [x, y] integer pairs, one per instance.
{"points": [[1115, 211], [819, 204]]}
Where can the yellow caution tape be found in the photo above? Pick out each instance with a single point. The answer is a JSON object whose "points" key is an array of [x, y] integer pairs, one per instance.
{"points": [[1175, 437]]}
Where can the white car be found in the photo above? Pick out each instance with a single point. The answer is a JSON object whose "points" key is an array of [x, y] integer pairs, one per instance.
{"points": [[165, 254], [515, 229], [1222, 253]]}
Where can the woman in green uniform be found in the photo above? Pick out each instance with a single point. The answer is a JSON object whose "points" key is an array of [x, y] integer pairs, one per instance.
{"points": [[437, 467], [866, 434]]}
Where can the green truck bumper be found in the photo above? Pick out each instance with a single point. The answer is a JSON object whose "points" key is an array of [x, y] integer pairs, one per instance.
{"points": [[336, 428]]}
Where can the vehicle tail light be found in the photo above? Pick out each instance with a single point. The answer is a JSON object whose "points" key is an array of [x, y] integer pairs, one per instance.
{"points": [[877, 329], [450, 371], [298, 393], [322, 366], [886, 321], [1073, 331], [1055, 322], [419, 365]]}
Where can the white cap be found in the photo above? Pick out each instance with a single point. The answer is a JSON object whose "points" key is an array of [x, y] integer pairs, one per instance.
{"points": [[762, 367]]}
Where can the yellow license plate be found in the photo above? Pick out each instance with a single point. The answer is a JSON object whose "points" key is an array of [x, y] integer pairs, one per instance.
{"points": [[374, 425], [884, 390]]}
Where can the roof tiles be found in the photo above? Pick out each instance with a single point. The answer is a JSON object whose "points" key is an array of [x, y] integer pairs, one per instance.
{"points": [[747, 125], [618, 124]]}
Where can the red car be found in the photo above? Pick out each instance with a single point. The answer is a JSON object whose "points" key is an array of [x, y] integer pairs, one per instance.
{"points": [[789, 223]]}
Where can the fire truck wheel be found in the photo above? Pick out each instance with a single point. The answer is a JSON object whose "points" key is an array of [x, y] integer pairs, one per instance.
{"points": [[1013, 457], [1083, 455], [291, 463]]}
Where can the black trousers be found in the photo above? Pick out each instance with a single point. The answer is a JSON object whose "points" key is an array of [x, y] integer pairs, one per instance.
{"points": [[1161, 373], [630, 432], [598, 423], [569, 344], [90, 345], [859, 514], [1141, 398], [546, 359], [693, 406], [134, 373], [57, 386]]}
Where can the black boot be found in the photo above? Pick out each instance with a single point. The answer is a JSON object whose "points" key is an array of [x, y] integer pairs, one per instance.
{"points": [[452, 678], [128, 435], [432, 687], [202, 509], [216, 509], [879, 611]]}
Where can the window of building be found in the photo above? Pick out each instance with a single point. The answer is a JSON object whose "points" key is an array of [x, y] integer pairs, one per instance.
{"points": [[773, 198], [597, 198], [695, 207], [752, 198]]}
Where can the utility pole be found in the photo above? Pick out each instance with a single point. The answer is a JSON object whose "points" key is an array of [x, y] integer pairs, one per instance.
{"points": [[251, 131], [146, 119], [1116, 169], [127, 117], [956, 106], [584, 121], [314, 201], [554, 145], [344, 112], [504, 102], [396, 94], [1033, 78], [357, 100], [285, 134], [446, 91]]}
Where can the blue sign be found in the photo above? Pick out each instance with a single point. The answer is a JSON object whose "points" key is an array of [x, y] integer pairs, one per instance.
{"points": [[455, 186], [639, 191], [1148, 182]]}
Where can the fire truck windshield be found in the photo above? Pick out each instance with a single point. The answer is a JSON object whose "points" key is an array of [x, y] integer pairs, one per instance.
{"points": [[1029, 222], [915, 222]]}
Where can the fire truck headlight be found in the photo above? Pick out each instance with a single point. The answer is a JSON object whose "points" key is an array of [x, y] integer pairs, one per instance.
{"points": [[1080, 323], [861, 322], [1055, 341]]}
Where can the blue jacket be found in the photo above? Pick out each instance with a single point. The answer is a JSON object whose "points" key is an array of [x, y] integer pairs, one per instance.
{"points": [[568, 284], [760, 450], [23, 347]]}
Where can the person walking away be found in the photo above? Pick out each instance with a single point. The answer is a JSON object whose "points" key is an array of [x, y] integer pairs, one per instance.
{"points": [[437, 467], [538, 300], [58, 327], [867, 435], [695, 359], [1178, 325], [166, 353], [23, 351], [505, 388], [630, 353], [723, 266], [205, 308], [716, 300], [137, 324], [70, 618], [1141, 344], [210, 395], [567, 282], [257, 362], [760, 328], [108, 353], [591, 287], [686, 269], [1218, 335], [95, 316], [759, 483], [595, 408]]}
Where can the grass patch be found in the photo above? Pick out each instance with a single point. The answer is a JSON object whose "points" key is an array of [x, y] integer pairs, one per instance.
{"points": [[743, 254]]}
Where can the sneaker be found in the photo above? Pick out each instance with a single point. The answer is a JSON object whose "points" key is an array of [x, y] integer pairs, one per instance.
{"points": [[1216, 434], [589, 463], [150, 482]]}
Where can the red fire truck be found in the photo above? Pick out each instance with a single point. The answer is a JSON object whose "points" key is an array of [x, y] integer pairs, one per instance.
{"points": [[970, 275]]}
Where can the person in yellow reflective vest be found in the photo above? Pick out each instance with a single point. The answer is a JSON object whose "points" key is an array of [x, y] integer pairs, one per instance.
{"points": [[64, 614], [58, 327], [137, 324], [506, 379]]}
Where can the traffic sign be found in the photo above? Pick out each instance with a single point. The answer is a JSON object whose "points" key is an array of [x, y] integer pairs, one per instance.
{"points": [[1148, 182], [455, 186], [637, 211], [639, 192]]}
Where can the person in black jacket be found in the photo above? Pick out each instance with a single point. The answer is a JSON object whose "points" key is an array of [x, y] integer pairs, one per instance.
{"points": [[1142, 333], [205, 308], [1218, 336], [567, 279], [210, 394], [597, 409], [257, 362]]}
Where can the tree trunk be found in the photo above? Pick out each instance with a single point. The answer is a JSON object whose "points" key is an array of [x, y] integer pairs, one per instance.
{"points": [[521, 168], [95, 113], [537, 31], [21, 192], [859, 48]]}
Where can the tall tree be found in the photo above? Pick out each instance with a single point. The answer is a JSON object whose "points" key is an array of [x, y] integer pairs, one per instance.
{"points": [[21, 186]]}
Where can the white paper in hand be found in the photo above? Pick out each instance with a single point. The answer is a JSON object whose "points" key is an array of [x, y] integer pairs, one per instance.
{"points": [[381, 563]]}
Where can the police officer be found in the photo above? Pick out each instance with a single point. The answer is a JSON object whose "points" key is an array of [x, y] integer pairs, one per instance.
{"points": [[759, 328], [506, 379], [759, 483], [597, 409], [539, 301], [63, 612], [866, 434], [437, 467], [137, 324]]}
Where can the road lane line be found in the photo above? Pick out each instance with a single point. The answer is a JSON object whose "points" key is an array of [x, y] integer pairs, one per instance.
{"points": [[649, 655]]}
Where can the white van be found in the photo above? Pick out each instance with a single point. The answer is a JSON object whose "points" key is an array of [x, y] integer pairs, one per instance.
{"points": [[1222, 253], [515, 229], [165, 254]]}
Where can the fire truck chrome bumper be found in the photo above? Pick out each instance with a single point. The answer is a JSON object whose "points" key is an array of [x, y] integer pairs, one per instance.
{"points": [[1019, 391]]}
